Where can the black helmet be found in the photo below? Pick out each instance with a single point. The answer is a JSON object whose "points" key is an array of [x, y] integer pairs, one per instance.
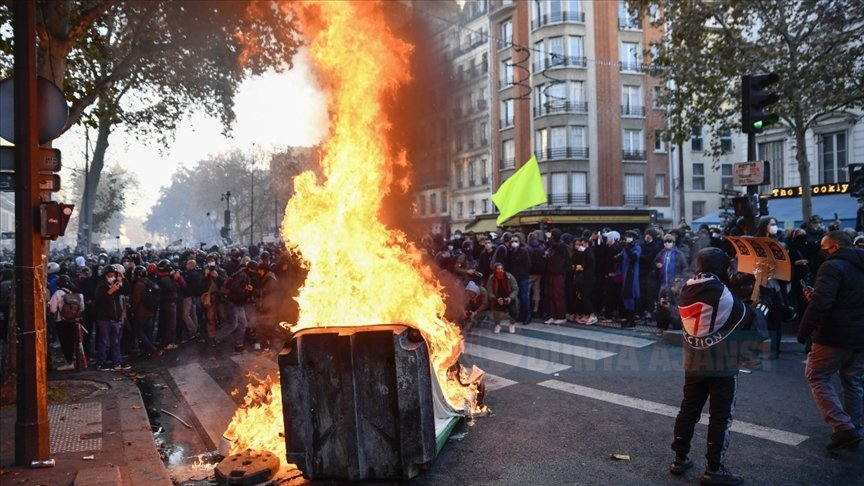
{"points": [[164, 265], [714, 261], [64, 282], [252, 266], [139, 272], [108, 269]]}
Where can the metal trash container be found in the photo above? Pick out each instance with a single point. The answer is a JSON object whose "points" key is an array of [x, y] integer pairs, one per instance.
{"points": [[357, 402]]}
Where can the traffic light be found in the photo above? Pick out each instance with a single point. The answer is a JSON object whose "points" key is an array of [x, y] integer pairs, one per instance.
{"points": [[856, 180], [53, 218], [755, 97]]}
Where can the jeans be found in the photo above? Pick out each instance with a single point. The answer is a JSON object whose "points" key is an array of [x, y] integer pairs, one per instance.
{"points": [[189, 314], [235, 328], [143, 327], [697, 389], [109, 341], [168, 323], [823, 363], [524, 296]]}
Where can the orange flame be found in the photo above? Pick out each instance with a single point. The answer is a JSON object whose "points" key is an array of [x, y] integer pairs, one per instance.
{"points": [[359, 271]]}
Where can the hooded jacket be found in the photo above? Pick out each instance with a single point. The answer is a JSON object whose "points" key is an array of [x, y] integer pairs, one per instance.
{"points": [[835, 316]]}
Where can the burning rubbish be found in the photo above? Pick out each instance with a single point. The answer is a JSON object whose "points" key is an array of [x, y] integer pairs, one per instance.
{"points": [[247, 468], [360, 64]]}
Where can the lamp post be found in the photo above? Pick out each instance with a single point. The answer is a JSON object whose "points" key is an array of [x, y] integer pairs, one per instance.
{"points": [[226, 228]]}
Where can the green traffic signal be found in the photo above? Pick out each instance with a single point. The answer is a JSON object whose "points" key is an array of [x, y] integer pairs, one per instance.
{"points": [[757, 125], [756, 97]]}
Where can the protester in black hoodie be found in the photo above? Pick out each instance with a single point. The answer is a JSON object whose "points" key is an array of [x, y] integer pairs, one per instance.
{"points": [[714, 322], [835, 320]]}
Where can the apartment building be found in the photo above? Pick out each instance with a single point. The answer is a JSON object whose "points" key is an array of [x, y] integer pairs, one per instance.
{"points": [[569, 82]]}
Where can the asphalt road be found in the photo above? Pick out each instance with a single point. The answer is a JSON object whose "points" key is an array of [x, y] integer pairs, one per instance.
{"points": [[563, 399]]}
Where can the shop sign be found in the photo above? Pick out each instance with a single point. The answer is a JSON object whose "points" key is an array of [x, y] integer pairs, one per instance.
{"points": [[817, 190]]}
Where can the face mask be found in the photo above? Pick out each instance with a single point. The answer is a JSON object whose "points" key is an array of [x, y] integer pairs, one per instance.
{"points": [[110, 280], [772, 229], [668, 245], [628, 240], [580, 248], [514, 245]]}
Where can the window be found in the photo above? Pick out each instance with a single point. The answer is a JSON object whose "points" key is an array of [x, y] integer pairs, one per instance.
{"points": [[632, 141], [577, 92], [556, 51], [471, 173], [698, 209], [660, 185], [773, 153], [659, 144], [725, 140], [656, 93], [484, 133], [507, 113], [654, 12], [541, 142], [508, 154], [627, 19], [484, 171], [696, 140], [422, 205], [556, 94], [484, 64], [555, 14], [540, 49], [832, 158], [631, 101], [485, 205], [472, 207], [634, 189], [558, 139], [558, 186], [506, 73], [577, 138], [579, 188], [576, 50], [460, 209], [725, 177], [698, 176], [433, 203], [630, 56], [506, 33], [443, 202]]}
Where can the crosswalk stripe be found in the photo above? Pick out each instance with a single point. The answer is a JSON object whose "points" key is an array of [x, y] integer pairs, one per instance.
{"points": [[495, 382], [753, 430], [513, 359], [212, 406], [553, 346], [600, 336]]}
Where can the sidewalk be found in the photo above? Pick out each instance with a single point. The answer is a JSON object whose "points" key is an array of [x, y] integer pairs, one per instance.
{"points": [[91, 414]]}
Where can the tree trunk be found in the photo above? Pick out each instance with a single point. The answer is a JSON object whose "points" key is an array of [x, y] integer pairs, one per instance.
{"points": [[800, 130], [88, 199]]}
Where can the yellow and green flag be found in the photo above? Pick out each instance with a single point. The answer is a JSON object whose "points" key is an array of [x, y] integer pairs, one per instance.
{"points": [[522, 190]]}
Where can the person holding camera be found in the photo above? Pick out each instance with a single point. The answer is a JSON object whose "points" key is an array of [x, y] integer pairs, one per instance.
{"points": [[170, 284], [212, 279], [109, 320]]}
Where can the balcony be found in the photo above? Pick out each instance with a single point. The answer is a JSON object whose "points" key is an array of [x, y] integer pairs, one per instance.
{"points": [[629, 24], [556, 60], [633, 155], [559, 199], [556, 17], [504, 83], [562, 153], [508, 162], [633, 110], [561, 107], [635, 200], [631, 67], [502, 124]]}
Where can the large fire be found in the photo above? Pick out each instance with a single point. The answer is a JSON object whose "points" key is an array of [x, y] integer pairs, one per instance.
{"points": [[360, 272]]}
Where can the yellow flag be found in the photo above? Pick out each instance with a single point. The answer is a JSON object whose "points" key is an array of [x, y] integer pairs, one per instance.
{"points": [[522, 190]]}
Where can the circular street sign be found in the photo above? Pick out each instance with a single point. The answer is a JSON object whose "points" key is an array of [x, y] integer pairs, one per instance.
{"points": [[52, 107]]}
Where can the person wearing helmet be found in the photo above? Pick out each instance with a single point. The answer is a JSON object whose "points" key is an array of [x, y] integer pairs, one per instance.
{"points": [[170, 284], [109, 320], [191, 299], [142, 310], [66, 306], [239, 292]]}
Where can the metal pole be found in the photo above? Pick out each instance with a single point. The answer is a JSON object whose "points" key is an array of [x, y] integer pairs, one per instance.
{"points": [[681, 202], [252, 211], [31, 423]]}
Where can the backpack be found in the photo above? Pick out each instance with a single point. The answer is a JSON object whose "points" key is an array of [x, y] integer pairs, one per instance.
{"points": [[152, 294], [70, 307]]}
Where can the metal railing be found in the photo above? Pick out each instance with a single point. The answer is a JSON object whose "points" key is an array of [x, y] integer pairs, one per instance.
{"points": [[555, 60], [633, 154], [562, 153], [632, 110], [504, 123], [568, 198], [629, 24], [563, 16], [635, 200], [561, 107]]}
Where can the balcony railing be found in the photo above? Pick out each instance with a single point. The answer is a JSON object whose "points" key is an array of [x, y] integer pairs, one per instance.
{"points": [[629, 24], [502, 124], [562, 153], [555, 60], [504, 83], [635, 200], [631, 67], [556, 199], [564, 16], [632, 110], [561, 107], [508, 162], [633, 154]]}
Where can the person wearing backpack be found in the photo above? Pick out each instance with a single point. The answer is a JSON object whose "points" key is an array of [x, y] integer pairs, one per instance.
{"points": [[142, 310], [67, 307], [239, 292]]}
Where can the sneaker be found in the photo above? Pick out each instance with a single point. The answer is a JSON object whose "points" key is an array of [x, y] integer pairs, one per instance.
{"points": [[549, 321], [497, 329], [512, 328], [592, 319], [719, 476], [845, 439], [558, 322], [105, 367], [123, 366], [66, 367], [169, 347], [680, 465]]}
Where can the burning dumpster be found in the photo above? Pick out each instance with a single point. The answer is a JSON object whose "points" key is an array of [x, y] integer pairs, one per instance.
{"points": [[357, 402]]}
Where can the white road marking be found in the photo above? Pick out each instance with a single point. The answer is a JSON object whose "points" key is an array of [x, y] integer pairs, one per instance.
{"points": [[600, 336], [513, 359], [553, 346], [494, 382], [753, 430], [213, 407]]}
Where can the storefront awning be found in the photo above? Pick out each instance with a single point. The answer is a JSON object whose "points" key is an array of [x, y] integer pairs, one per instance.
{"points": [[482, 225], [787, 210]]}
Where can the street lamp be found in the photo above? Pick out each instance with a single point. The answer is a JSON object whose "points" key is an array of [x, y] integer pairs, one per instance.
{"points": [[226, 228]]}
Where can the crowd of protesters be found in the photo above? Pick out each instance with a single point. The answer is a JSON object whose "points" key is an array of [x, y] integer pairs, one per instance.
{"points": [[101, 308], [615, 277]]}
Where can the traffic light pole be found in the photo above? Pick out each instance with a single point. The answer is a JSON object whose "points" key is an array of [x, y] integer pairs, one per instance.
{"points": [[31, 422], [752, 190]]}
